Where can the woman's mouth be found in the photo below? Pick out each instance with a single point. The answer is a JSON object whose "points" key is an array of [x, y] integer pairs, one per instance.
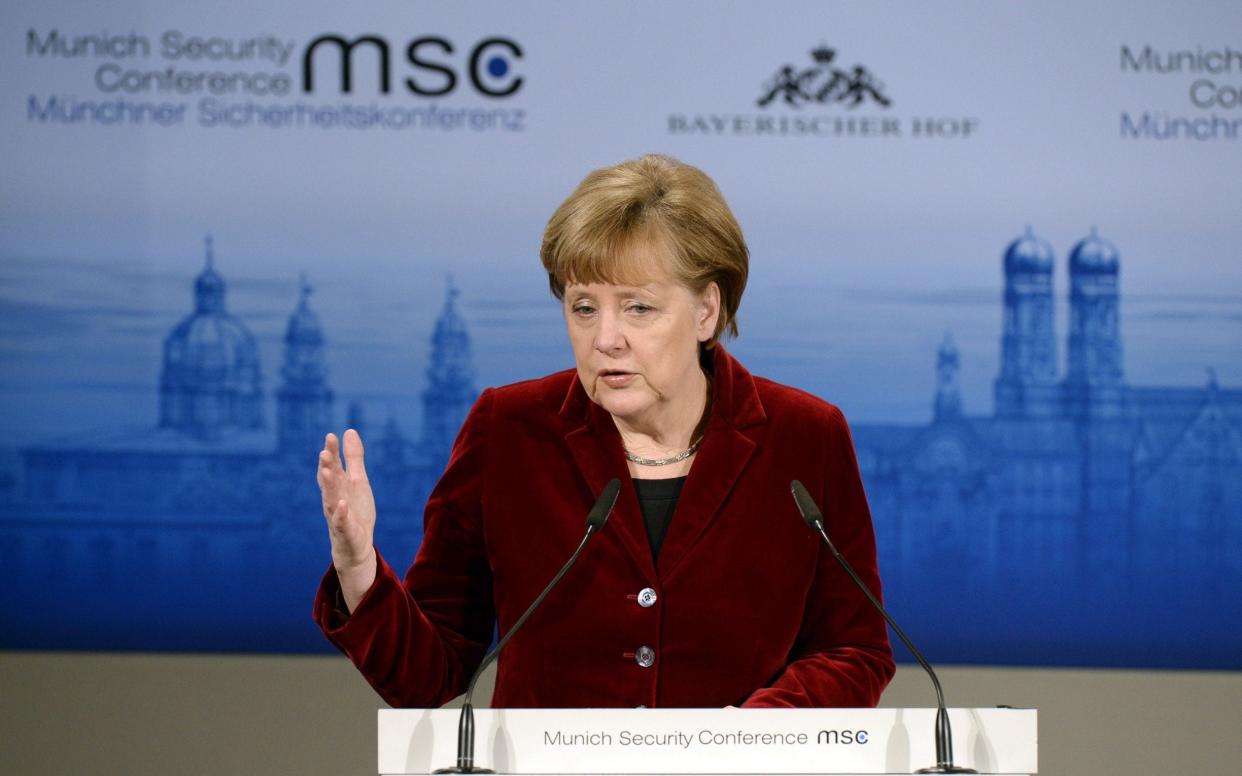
{"points": [[614, 378]]}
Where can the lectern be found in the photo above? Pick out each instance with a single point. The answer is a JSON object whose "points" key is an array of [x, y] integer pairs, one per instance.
{"points": [[707, 741]]}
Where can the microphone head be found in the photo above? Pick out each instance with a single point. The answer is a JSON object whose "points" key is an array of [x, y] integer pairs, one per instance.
{"points": [[603, 505], [806, 505]]}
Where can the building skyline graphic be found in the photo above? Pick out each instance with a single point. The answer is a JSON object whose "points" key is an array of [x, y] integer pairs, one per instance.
{"points": [[217, 501], [1079, 493], [1083, 442]]}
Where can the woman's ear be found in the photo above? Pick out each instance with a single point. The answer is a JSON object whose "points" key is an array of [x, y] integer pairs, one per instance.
{"points": [[709, 311]]}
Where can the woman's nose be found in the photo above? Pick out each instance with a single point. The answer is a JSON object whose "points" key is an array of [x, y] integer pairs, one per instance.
{"points": [[608, 335]]}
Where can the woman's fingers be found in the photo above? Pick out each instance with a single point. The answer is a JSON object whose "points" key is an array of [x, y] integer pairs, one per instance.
{"points": [[327, 474], [354, 452], [347, 501], [331, 450], [323, 472]]}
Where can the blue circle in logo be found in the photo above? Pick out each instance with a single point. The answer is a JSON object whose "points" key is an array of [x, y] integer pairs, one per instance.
{"points": [[497, 67]]}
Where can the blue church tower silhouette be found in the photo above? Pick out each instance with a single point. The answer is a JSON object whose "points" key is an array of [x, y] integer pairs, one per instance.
{"points": [[1027, 384], [403, 471], [304, 400], [450, 380], [1094, 381], [948, 404]]}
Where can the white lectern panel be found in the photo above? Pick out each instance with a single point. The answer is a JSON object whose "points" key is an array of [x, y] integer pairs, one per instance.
{"points": [[708, 741]]}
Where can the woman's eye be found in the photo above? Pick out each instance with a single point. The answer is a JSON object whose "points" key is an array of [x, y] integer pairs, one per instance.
{"points": [[582, 309], [640, 309]]}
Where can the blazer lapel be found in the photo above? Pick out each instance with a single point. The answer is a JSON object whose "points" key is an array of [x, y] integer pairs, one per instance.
{"points": [[719, 462], [597, 451]]}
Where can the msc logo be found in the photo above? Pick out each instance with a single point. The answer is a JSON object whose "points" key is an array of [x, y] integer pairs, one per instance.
{"points": [[489, 64], [824, 83]]}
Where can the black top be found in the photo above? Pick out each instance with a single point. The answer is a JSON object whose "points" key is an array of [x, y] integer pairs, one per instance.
{"points": [[658, 499]]}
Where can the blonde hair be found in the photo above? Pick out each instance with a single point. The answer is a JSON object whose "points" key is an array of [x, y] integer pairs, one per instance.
{"points": [[594, 236]]}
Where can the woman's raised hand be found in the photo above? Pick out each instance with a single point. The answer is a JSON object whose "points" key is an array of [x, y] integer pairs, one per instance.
{"points": [[349, 508]]}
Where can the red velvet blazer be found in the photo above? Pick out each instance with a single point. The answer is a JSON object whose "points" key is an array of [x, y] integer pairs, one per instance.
{"points": [[749, 608]]}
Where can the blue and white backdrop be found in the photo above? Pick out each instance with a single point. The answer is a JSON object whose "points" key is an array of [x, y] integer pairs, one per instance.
{"points": [[1003, 237]]}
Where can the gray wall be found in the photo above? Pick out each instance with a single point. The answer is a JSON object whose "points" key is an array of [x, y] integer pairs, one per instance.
{"points": [[192, 714]]}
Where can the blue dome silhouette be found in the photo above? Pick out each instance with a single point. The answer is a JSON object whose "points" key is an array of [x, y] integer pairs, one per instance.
{"points": [[1094, 254], [213, 350], [1029, 253], [211, 378]]}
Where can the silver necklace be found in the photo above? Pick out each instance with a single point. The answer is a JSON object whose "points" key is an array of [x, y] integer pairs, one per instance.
{"points": [[683, 455]]}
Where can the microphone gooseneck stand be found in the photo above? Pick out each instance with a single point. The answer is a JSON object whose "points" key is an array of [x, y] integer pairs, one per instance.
{"points": [[465, 726], [944, 735]]}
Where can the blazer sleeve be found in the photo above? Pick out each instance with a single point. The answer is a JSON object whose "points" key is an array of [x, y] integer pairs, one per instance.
{"points": [[841, 656], [418, 640]]}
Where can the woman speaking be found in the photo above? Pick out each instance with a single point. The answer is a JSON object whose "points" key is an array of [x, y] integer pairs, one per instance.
{"points": [[705, 588]]}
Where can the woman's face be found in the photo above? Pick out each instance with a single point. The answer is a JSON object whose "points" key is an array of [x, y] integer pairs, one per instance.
{"points": [[636, 347]]}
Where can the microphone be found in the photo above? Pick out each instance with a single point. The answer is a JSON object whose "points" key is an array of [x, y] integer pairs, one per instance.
{"points": [[596, 519], [944, 735]]}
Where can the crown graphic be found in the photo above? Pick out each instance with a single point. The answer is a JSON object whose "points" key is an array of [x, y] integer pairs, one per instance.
{"points": [[823, 54]]}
